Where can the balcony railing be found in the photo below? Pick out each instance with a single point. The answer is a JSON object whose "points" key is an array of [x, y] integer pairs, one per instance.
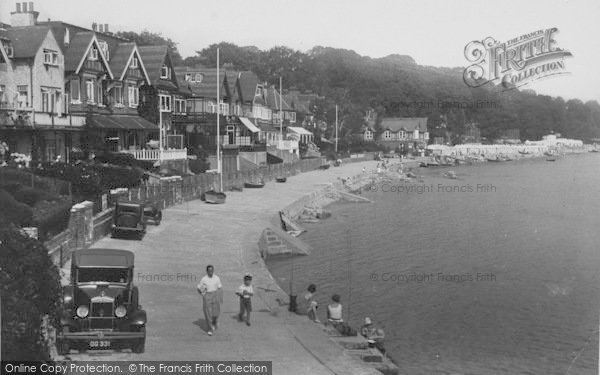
{"points": [[153, 155]]}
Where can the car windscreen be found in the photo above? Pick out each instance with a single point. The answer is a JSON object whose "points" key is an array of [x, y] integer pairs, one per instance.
{"points": [[132, 209], [110, 275]]}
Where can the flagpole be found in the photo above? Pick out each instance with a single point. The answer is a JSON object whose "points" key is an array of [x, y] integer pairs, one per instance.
{"points": [[280, 109], [336, 128], [219, 166]]}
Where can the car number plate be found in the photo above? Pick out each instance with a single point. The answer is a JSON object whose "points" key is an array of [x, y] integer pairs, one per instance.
{"points": [[99, 344]]}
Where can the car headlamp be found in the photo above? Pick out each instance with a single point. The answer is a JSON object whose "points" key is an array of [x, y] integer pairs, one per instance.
{"points": [[82, 311], [120, 311]]}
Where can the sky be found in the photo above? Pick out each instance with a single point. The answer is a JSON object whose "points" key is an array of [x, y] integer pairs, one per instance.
{"points": [[433, 32]]}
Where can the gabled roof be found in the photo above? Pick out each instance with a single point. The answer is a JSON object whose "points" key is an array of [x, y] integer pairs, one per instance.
{"points": [[26, 40], [120, 60], [154, 57], [247, 82], [274, 101], [363, 129], [78, 51], [396, 124], [207, 88]]}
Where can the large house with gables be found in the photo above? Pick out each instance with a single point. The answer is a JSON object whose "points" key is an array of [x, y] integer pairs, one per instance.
{"points": [[35, 118], [408, 134], [103, 76]]}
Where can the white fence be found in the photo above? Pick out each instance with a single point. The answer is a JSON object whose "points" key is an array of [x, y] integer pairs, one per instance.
{"points": [[153, 155]]}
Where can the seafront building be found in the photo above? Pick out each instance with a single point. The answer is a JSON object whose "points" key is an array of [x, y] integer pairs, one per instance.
{"points": [[62, 82]]}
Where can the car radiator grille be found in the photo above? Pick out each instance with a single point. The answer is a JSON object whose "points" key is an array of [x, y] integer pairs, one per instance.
{"points": [[101, 315]]}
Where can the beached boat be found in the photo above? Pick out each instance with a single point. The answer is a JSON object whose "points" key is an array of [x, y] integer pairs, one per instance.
{"points": [[324, 166], [594, 150], [281, 180], [254, 185], [551, 159], [496, 160], [214, 197], [525, 152], [451, 175]]}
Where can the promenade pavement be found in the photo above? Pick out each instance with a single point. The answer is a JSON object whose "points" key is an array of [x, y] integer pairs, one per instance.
{"points": [[172, 257]]}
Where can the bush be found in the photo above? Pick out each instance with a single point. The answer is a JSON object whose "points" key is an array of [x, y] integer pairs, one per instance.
{"points": [[13, 211], [198, 165], [51, 218], [123, 160], [27, 195], [30, 292]]}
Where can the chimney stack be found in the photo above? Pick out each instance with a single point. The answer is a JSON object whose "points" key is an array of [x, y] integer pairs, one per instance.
{"points": [[24, 15], [100, 28], [95, 26], [106, 28]]}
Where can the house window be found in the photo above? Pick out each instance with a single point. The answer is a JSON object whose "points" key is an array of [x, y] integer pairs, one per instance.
{"points": [[118, 95], [134, 95], [198, 77], [89, 90], [224, 108], [179, 106], [9, 50], [100, 97], [22, 96], [368, 135], [188, 77], [50, 100], [258, 91], [75, 91], [165, 103], [50, 57], [134, 62], [165, 72], [93, 54], [387, 134], [2, 92]]}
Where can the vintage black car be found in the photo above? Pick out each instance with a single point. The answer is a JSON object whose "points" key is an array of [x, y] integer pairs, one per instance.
{"points": [[152, 212], [128, 218], [100, 307]]}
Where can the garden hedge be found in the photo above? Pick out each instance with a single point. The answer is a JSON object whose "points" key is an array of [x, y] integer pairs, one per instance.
{"points": [[30, 285]]}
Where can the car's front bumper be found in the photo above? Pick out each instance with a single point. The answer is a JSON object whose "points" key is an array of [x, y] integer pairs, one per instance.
{"points": [[100, 335]]}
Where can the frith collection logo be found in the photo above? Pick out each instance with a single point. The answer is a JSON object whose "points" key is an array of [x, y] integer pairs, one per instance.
{"points": [[515, 63]]}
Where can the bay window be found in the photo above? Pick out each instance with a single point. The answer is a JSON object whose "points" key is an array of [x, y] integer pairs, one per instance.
{"points": [[23, 96], [118, 94], [165, 103], [75, 91], [89, 86]]}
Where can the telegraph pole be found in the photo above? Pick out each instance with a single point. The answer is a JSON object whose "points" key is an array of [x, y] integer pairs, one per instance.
{"points": [[336, 128]]}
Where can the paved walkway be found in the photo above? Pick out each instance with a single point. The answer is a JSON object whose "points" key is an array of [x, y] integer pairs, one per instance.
{"points": [[172, 258]]}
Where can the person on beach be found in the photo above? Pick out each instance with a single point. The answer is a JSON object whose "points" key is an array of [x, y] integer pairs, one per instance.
{"points": [[374, 335], [245, 292], [310, 303], [334, 311], [211, 289]]}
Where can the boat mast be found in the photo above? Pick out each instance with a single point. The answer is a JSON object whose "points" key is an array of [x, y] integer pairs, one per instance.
{"points": [[219, 166], [280, 109]]}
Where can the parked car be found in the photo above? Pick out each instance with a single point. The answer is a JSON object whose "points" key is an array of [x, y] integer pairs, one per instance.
{"points": [[151, 212], [129, 219], [100, 306]]}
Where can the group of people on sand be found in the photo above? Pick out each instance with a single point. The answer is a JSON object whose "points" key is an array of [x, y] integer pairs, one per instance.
{"points": [[374, 335], [211, 290]]}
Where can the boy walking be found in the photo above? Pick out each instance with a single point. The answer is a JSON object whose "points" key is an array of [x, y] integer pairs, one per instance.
{"points": [[245, 292]]}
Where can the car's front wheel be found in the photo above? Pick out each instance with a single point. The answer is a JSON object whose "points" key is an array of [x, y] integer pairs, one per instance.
{"points": [[62, 345], [139, 345]]}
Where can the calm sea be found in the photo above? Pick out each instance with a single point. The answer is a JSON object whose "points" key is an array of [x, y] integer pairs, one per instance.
{"points": [[493, 273]]}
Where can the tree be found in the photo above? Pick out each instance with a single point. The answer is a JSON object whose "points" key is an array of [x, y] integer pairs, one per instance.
{"points": [[147, 38]]}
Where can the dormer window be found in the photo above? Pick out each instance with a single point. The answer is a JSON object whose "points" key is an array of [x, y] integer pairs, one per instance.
{"points": [[93, 54], [9, 50], [50, 57], [165, 72], [134, 63], [198, 77]]}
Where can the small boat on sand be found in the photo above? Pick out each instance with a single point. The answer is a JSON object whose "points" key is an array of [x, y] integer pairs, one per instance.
{"points": [[214, 197], [254, 185], [451, 175], [281, 180], [551, 159]]}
